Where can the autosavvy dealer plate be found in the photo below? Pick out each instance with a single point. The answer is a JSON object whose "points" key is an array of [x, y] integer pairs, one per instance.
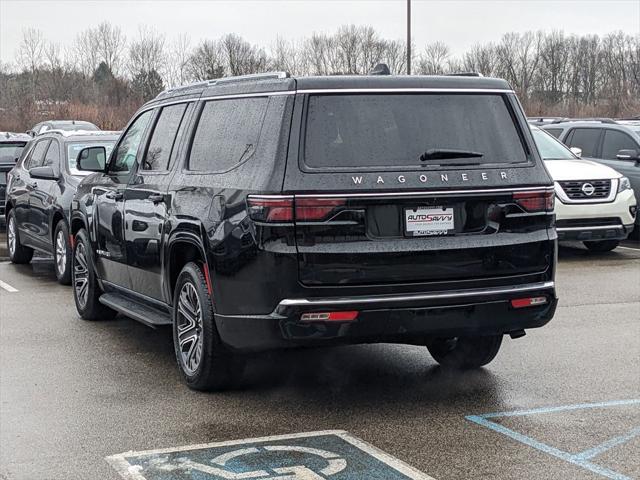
{"points": [[428, 221]]}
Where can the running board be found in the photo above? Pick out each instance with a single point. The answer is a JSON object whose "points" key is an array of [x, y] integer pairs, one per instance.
{"points": [[150, 316]]}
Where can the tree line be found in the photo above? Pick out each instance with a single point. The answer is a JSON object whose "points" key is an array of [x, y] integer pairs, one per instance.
{"points": [[104, 76]]}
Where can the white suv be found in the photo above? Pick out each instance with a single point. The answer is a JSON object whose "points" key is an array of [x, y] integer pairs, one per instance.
{"points": [[595, 204]]}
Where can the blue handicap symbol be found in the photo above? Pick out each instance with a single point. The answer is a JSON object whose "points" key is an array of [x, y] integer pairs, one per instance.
{"points": [[582, 459], [330, 455]]}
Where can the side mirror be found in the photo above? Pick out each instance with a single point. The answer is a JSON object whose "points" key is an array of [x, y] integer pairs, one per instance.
{"points": [[576, 151], [628, 155], [92, 159], [43, 173]]}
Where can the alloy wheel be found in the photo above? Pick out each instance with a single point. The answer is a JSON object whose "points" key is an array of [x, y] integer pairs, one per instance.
{"points": [[61, 253], [81, 275], [189, 323], [11, 236]]}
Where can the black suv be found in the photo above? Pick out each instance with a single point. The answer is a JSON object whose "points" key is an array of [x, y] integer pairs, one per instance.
{"points": [[39, 193], [267, 212], [11, 146]]}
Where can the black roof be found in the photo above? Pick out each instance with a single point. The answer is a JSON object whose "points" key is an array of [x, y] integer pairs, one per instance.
{"points": [[283, 82]]}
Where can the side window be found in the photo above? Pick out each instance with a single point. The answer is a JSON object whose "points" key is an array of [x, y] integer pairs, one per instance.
{"points": [[586, 139], [163, 138], [614, 141], [554, 131], [127, 151], [52, 158], [37, 154], [227, 133]]}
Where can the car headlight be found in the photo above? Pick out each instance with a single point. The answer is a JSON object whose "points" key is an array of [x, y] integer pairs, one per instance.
{"points": [[623, 184]]}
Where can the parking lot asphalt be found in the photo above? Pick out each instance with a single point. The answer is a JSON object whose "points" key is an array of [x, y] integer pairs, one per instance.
{"points": [[74, 392]]}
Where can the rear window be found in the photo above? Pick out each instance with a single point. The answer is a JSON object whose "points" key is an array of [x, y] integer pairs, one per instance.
{"points": [[9, 152], [390, 131], [554, 131]]}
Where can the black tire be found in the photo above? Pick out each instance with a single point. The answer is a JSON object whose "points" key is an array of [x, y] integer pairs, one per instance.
{"points": [[18, 253], [86, 290], [465, 352], [602, 246], [202, 359], [62, 253]]}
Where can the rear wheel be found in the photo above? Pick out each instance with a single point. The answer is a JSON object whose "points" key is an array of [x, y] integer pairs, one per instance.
{"points": [[465, 352], [62, 253], [203, 361], [603, 246], [86, 291], [17, 252]]}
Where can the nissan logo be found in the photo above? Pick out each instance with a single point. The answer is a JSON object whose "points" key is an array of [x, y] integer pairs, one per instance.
{"points": [[588, 189]]}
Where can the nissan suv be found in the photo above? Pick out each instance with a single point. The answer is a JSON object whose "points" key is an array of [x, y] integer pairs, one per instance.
{"points": [[265, 212]]}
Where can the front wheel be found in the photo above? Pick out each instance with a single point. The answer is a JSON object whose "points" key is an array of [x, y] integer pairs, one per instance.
{"points": [[86, 291], [603, 246], [62, 253], [18, 253], [465, 352], [203, 361]]}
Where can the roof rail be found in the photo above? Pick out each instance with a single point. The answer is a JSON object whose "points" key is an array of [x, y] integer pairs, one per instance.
{"points": [[464, 74], [200, 83], [594, 119], [79, 132], [250, 77]]}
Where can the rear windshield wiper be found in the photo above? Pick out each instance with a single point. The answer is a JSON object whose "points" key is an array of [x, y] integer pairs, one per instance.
{"points": [[447, 153]]}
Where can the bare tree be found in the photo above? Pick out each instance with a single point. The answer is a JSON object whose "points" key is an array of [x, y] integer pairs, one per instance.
{"points": [[110, 43], [242, 58], [177, 64], [31, 49], [207, 61], [433, 60]]}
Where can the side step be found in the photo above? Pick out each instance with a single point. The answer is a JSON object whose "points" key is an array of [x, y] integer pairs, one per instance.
{"points": [[150, 316]]}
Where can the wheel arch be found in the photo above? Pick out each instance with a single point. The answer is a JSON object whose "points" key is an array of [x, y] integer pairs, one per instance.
{"points": [[183, 247]]}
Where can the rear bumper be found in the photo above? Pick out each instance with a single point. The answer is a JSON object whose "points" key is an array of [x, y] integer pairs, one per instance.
{"points": [[390, 318], [594, 232]]}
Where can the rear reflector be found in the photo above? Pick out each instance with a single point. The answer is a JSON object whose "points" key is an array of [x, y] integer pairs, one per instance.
{"points": [[528, 302], [540, 201], [329, 316]]}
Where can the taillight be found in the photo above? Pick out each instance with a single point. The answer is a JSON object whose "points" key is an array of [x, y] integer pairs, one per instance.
{"points": [[347, 316], [280, 208], [536, 201], [309, 209], [270, 208], [528, 302]]}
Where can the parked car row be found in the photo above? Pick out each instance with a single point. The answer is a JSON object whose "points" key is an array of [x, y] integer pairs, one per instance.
{"points": [[615, 143], [11, 146]]}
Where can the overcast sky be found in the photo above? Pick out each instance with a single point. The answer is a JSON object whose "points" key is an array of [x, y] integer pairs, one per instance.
{"points": [[459, 23]]}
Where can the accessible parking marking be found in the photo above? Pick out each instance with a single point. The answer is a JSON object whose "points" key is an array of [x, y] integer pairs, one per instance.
{"points": [[581, 459], [332, 454], [7, 287]]}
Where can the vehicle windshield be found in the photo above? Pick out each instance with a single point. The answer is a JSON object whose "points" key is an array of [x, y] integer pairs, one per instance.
{"points": [[549, 147], [10, 151], [73, 149], [391, 131]]}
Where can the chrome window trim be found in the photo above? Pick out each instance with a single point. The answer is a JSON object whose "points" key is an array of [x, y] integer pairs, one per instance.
{"points": [[405, 90], [560, 193], [480, 292], [438, 193]]}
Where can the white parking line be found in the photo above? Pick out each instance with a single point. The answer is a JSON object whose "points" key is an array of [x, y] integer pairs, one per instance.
{"points": [[630, 248], [7, 287]]}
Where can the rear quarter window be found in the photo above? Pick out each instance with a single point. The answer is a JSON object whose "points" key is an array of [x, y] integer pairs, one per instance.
{"points": [[391, 131], [227, 134]]}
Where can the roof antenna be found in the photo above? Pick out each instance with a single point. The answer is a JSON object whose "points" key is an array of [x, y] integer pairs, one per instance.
{"points": [[380, 69]]}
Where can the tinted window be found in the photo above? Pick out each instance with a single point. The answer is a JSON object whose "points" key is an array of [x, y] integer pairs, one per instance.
{"points": [[10, 151], [37, 154], [586, 139], [614, 141], [394, 130], [554, 131], [52, 158], [227, 133], [128, 147], [163, 138]]}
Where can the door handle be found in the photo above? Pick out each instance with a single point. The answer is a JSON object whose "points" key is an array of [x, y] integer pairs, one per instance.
{"points": [[156, 197], [114, 195]]}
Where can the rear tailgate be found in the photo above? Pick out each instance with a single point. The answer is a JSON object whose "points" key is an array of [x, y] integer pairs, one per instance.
{"points": [[371, 209]]}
